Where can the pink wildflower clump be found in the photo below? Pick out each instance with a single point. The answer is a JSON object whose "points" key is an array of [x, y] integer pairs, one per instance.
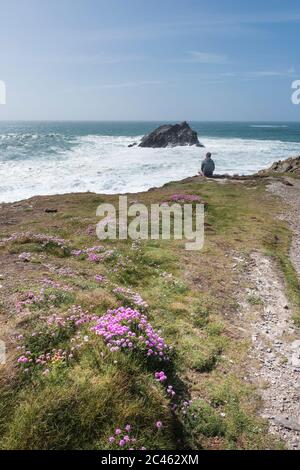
{"points": [[75, 316], [123, 438], [56, 285], [160, 376], [30, 298], [170, 391], [94, 258], [185, 407], [64, 271], [41, 238], [133, 297], [55, 356], [128, 329], [184, 198], [77, 253], [99, 278], [88, 251], [55, 324], [159, 424], [23, 359], [91, 230], [95, 249]]}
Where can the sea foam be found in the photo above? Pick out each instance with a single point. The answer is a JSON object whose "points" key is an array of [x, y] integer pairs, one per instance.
{"points": [[41, 165]]}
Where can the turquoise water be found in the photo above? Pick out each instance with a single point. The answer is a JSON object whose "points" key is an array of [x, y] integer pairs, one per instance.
{"points": [[59, 157]]}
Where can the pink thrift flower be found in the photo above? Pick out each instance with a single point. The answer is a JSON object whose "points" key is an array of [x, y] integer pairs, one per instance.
{"points": [[159, 424], [23, 359]]}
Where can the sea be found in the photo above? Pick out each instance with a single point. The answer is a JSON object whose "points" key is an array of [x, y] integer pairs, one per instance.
{"points": [[43, 158]]}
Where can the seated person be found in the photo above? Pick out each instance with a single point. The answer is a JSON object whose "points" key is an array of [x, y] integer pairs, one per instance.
{"points": [[207, 166]]}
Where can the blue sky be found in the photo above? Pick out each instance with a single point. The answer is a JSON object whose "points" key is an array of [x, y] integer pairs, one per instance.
{"points": [[149, 60]]}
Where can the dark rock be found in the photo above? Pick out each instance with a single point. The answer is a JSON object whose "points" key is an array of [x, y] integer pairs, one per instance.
{"points": [[132, 145], [170, 135], [51, 211], [289, 166], [287, 183]]}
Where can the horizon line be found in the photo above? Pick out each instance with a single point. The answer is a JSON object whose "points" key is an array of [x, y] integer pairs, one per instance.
{"points": [[151, 120]]}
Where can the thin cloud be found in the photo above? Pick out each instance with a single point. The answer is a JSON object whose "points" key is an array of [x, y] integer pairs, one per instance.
{"points": [[94, 59], [272, 73], [207, 58], [129, 84], [209, 24], [133, 84]]}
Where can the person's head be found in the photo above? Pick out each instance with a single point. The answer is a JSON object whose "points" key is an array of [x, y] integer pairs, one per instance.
{"points": [[208, 155]]}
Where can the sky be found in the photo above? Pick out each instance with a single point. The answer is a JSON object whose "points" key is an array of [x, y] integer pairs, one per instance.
{"points": [[149, 60]]}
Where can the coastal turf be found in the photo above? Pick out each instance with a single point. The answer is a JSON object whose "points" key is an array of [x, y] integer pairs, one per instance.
{"points": [[191, 297]]}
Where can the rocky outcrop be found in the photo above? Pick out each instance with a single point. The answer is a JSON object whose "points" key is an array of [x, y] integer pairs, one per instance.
{"points": [[170, 135], [289, 166]]}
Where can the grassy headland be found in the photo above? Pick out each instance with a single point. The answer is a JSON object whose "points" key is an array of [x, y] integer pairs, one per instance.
{"points": [[69, 390]]}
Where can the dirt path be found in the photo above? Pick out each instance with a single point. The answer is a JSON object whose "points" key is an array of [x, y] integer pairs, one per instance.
{"points": [[273, 365], [290, 194]]}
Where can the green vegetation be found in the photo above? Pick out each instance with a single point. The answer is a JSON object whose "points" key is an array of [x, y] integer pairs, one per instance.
{"points": [[82, 395]]}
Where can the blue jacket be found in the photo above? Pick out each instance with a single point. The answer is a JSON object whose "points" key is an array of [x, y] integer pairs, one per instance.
{"points": [[208, 167]]}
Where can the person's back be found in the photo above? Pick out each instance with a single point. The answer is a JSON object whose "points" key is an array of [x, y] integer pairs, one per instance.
{"points": [[208, 166]]}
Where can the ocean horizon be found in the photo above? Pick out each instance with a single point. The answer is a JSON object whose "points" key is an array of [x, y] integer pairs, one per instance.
{"points": [[57, 157]]}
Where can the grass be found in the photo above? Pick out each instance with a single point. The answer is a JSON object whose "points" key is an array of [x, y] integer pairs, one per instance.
{"points": [[81, 407], [190, 297], [254, 300], [292, 285]]}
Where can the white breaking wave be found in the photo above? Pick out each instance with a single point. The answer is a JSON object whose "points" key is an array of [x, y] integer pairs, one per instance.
{"points": [[105, 164], [269, 126]]}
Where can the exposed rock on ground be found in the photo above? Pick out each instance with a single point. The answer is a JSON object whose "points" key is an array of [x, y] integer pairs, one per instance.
{"points": [[275, 338], [289, 191], [274, 365], [290, 165], [170, 135]]}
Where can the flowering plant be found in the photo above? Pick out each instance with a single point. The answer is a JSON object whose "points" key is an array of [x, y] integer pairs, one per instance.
{"points": [[125, 328], [184, 198], [134, 298]]}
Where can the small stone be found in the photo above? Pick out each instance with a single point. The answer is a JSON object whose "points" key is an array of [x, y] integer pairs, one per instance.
{"points": [[51, 211], [288, 423]]}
